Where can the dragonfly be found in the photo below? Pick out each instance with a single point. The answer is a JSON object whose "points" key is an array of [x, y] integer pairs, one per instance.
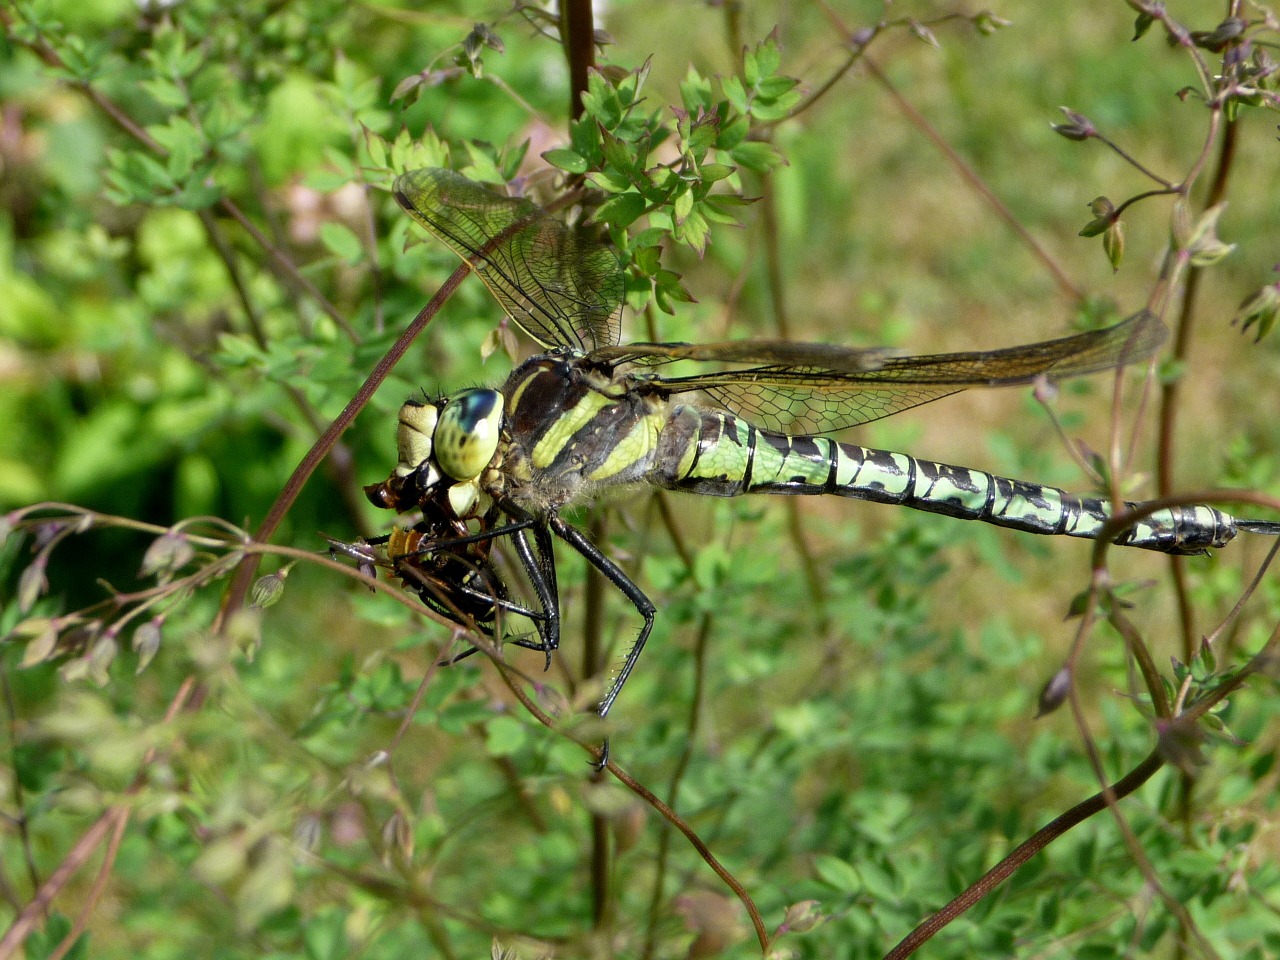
{"points": [[589, 414]]}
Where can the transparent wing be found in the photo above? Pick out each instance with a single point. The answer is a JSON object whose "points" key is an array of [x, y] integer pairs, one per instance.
{"points": [[818, 397], [561, 288], [771, 352]]}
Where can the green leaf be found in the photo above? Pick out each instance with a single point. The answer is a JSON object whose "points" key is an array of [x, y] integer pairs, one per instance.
{"points": [[340, 241], [768, 57], [608, 181], [757, 155], [878, 881], [735, 93], [184, 143], [483, 166], [695, 91], [647, 259], [775, 87], [345, 75], [683, 205], [567, 160], [770, 111], [619, 156], [584, 136], [837, 873], [165, 92], [504, 736], [750, 71], [376, 147], [732, 133], [42, 943], [620, 210], [710, 564]]}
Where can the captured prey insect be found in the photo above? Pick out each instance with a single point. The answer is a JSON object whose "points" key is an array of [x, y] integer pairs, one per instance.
{"points": [[449, 567], [590, 414]]}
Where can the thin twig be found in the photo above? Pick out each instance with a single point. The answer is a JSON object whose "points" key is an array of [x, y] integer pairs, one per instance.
{"points": [[19, 796], [83, 849], [1212, 636], [971, 177], [98, 888], [782, 321], [677, 776], [645, 794], [1122, 788], [1171, 392], [592, 661], [577, 38], [239, 587], [997, 875], [288, 269]]}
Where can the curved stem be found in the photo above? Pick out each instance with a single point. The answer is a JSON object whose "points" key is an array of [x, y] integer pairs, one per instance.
{"points": [[1130, 782], [577, 31], [1170, 393], [325, 442]]}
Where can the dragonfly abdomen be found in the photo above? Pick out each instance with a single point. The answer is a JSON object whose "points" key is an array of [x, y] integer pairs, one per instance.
{"points": [[725, 456]]}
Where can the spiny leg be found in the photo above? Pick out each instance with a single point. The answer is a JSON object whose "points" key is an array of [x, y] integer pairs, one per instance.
{"points": [[494, 597], [440, 545], [507, 606], [644, 606], [540, 566]]}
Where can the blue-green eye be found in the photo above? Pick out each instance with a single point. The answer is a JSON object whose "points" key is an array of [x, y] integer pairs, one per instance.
{"points": [[466, 437]]}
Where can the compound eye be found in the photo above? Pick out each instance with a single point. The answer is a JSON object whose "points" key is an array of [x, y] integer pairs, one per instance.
{"points": [[413, 435], [466, 436]]}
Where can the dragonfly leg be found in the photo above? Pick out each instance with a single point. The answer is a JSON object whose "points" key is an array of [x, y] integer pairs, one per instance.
{"points": [[494, 597], [644, 606], [548, 636], [441, 545], [540, 566]]}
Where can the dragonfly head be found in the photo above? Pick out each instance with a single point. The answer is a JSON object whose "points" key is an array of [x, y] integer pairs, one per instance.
{"points": [[442, 445]]}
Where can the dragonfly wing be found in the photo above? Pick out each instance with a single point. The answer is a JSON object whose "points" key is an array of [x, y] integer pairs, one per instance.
{"points": [[1129, 341], [817, 399], [800, 402], [561, 288], [772, 352]]}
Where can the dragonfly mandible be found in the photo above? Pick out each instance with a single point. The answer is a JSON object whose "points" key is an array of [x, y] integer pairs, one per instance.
{"points": [[590, 414]]}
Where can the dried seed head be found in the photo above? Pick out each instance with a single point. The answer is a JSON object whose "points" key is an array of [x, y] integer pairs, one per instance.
{"points": [[1054, 692], [166, 555], [146, 642], [32, 584]]}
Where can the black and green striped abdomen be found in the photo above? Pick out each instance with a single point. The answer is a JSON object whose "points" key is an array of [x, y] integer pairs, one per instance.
{"points": [[718, 454]]}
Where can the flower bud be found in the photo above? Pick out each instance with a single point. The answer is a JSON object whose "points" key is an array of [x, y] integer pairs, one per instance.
{"points": [[1054, 692], [166, 555], [146, 641]]}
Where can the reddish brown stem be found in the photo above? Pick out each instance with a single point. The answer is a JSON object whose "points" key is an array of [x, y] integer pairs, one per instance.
{"points": [[21, 928], [577, 30], [324, 443], [1170, 393]]}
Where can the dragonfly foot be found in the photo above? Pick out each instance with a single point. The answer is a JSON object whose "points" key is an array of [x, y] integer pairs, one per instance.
{"points": [[602, 761]]}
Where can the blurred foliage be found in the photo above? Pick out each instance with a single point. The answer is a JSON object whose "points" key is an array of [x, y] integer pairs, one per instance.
{"points": [[200, 264]]}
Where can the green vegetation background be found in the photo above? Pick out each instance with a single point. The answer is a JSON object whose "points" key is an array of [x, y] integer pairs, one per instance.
{"points": [[873, 752]]}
